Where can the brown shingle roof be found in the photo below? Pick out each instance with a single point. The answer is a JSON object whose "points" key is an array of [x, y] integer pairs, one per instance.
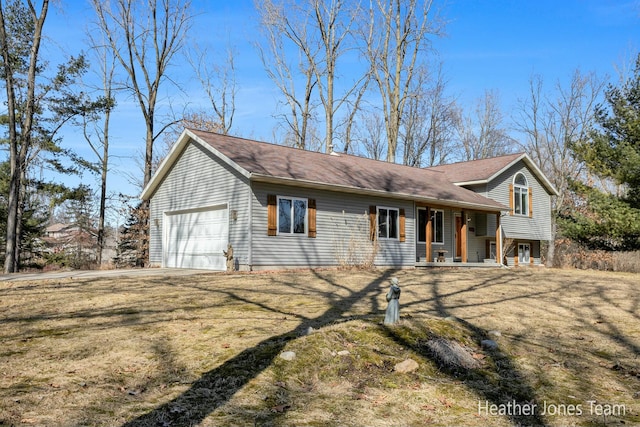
{"points": [[477, 170], [350, 173]]}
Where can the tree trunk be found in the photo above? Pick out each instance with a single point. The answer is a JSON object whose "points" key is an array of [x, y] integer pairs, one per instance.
{"points": [[18, 156], [103, 190]]}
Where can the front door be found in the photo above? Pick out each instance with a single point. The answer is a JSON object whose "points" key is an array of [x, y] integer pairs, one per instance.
{"points": [[458, 236]]}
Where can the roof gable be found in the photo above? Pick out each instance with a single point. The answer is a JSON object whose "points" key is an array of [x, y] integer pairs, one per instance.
{"points": [[262, 161], [485, 170]]}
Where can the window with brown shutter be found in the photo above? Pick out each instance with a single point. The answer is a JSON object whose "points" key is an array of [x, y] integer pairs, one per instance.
{"points": [[312, 218], [530, 203], [403, 236]]}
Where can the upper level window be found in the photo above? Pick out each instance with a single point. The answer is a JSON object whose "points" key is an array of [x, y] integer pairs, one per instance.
{"points": [[292, 215], [520, 195], [388, 223]]}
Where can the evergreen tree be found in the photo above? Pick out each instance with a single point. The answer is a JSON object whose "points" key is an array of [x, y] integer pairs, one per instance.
{"points": [[133, 245], [612, 151]]}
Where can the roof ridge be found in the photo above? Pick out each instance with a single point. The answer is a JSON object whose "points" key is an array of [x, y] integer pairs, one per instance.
{"points": [[517, 154], [304, 150]]}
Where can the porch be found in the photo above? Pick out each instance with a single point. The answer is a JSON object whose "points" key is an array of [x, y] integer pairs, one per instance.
{"points": [[458, 264], [450, 237]]}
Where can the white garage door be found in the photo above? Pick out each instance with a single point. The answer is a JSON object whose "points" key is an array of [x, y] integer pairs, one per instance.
{"points": [[196, 239]]}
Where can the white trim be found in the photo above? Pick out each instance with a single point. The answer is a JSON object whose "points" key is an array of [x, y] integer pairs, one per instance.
{"points": [[388, 208], [173, 155], [524, 203], [306, 216], [530, 163]]}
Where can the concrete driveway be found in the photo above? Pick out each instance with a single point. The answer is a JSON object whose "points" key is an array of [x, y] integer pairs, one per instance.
{"points": [[87, 274]]}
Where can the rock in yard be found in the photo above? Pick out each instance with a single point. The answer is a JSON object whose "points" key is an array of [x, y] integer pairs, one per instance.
{"points": [[489, 344], [494, 334], [343, 353], [406, 366], [288, 355], [450, 354]]}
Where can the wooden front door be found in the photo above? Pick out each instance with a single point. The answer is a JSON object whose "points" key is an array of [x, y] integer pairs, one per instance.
{"points": [[458, 236]]}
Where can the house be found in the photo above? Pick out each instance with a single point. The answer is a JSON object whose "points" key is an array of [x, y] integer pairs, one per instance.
{"points": [[281, 207]]}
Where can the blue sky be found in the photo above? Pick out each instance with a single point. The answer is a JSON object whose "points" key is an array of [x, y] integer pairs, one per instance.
{"points": [[489, 45]]}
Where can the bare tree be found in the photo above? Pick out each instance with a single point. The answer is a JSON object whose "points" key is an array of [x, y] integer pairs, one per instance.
{"points": [[369, 134], [319, 30], [551, 123], [285, 75], [483, 134], [97, 134], [218, 79], [145, 36], [396, 38], [429, 123]]}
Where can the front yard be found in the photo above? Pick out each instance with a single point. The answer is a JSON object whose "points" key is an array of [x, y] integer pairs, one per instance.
{"points": [[205, 349]]}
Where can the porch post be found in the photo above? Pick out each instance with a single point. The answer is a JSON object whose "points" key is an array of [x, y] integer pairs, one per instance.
{"points": [[463, 236], [498, 240], [428, 236]]}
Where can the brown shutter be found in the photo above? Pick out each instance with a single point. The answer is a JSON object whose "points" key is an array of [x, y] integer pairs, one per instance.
{"points": [[312, 218], [530, 203], [272, 215], [403, 236], [372, 223], [510, 199]]}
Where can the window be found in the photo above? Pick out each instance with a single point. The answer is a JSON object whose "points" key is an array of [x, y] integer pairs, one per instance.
{"points": [[520, 195], [292, 215], [437, 226], [388, 223], [524, 253]]}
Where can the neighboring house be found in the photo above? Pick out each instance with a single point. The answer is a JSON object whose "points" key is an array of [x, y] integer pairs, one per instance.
{"points": [[73, 239], [281, 207]]}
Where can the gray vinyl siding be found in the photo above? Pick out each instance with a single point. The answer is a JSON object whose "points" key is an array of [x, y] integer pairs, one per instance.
{"points": [[341, 220], [198, 180], [518, 226]]}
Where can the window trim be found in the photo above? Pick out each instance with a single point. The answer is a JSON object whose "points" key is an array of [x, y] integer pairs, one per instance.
{"points": [[306, 216], [434, 225], [521, 193], [397, 228], [521, 252]]}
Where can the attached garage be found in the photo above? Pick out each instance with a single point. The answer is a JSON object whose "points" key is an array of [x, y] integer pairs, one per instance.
{"points": [[196, 238]]}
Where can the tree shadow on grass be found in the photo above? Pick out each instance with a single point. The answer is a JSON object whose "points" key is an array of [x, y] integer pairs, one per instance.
{"points": [[216, 387], [499, 383]]}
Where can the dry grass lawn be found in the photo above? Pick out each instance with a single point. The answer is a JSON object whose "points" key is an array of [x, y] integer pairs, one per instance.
{"points": [[204, 349]]}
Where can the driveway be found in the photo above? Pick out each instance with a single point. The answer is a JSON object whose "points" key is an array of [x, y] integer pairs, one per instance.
{"points": [[87, 274]]}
